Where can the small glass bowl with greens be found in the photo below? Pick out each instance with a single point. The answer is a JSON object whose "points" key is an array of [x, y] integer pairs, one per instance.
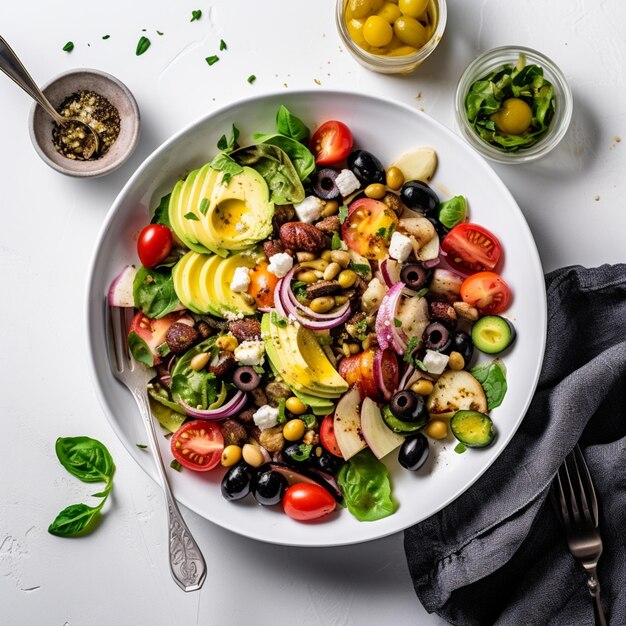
{"points": [[513, 104]]}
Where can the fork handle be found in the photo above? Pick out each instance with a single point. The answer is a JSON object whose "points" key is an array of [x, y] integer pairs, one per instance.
{"points": [[186, 561], [593, 584]]}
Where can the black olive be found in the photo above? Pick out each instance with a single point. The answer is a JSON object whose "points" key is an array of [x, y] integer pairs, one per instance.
{"points": [[246, 379], [419, 196], [269, 488], [462, 343], [366, 167], [436, 337], [408, 406], [413, 452], [325, 461], [237, 482], [415, 276], [324, 184]]}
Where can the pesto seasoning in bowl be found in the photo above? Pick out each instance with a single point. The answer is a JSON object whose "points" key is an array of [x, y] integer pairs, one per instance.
{"points": [[513, 104]]}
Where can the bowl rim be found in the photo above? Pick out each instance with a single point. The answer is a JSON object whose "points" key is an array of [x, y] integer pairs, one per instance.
{"points": [[560, 124], [392, 63], [112, 166]]}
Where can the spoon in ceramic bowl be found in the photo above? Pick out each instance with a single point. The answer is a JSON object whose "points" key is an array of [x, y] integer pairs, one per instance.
{"points": [[15, 70]]}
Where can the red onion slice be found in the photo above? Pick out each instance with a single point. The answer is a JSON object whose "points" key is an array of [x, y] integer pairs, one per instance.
{"points": [[386, 332], [390, 271], [379, 377], [234, 405]]}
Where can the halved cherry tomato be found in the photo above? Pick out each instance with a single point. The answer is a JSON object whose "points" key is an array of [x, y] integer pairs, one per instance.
{"points": [[331, 142], [198, 445], [153, 331], [306, 501], [368, 228], [359, 370], [154, 244], [471, 248], [327, 436], [487, 291], [262, 285]]}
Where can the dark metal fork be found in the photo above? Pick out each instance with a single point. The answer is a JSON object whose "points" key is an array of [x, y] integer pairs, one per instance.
{"points": [[577, 505]]}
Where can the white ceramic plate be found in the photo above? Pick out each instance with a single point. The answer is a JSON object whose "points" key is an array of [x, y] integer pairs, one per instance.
{"points": [[386, 129]]}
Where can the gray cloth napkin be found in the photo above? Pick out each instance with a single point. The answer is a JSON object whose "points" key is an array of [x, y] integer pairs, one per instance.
{"points": [[497, 555]]}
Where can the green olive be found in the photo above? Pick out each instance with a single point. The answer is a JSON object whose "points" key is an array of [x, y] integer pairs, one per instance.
{"points": [[363, 8], [346, 279], [377, 31], [410, 32], [389, 12], [412, 8], [323, 304], [514, 117]]}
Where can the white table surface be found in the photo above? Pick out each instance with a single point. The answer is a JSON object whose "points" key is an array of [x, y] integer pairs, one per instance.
{"points": [[573, 201]]}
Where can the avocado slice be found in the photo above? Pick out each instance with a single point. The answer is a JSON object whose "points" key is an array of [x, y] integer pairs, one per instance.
{"points": [[228, 299], [179, 279]]}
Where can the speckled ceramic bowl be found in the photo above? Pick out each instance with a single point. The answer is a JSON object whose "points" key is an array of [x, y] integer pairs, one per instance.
{"points": [[116, 93]]}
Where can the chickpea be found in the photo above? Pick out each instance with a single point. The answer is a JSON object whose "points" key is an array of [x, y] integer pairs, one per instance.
{"points": [[422, 387], [295, 405], [323, 304], [326, 255], [231, 455], [394, 178], [456, 361], [331, 271], [340, 256], [253, 455], [437, 429], [347, 278], [227, 342], [199, 361], [330, 208], [294, 430], [375, 191], [303, 256]]}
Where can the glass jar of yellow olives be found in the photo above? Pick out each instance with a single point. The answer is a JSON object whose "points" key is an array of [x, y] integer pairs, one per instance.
{"points": [[391, 36]]}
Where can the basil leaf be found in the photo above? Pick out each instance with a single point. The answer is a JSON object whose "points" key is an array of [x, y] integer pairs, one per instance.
{"points": [[343, 213], [153, 292], [277, 170], [195, 388], [364, 482], [335, 244], [492, 377], [191, 216], [139, 349], [301, 157], [360, 268], [86, 458], [74, 519], [195, 15], [228, 144], [452, 212], [162, 212], [225, 163], [289, 125], [142, 45]]}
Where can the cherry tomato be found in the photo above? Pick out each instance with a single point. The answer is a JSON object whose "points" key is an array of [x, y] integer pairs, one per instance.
{"points": [[359, 370], [262, 285], [327, 436], [368, 228], [154, 244], [331, 143], [153, 331], [198, 445], [306, 501], [487, 292], [471, 248]]}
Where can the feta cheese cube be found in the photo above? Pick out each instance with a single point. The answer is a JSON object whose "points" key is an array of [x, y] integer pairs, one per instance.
{"points": [[280, 264], [347, 182], [435, 362], [250, 353], [265, 417], [309, 209], [241, 280], [400, 247]]}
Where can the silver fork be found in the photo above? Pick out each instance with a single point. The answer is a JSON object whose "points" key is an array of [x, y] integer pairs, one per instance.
{"points": [[186, 561], [577, 505]]}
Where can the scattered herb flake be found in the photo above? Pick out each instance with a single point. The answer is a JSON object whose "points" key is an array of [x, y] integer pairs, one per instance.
{"points": [[141, 446], [159, 32], [381, 232], [343, 213], [460, 448], [191, 216], [251, 78], [68, 47], [304, 452], [282, 418], [258, 369], [175, 465], [195, 15], [204, 206], [106, 36], [336, 242], [223, 45], [397, 323], [422, 292], [360, 268], [212, 59], [277, 320], [142, 45]]}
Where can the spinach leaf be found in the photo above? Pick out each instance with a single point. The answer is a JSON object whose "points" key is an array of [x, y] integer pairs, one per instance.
{"points": [[195, 388], [276, 168], [366, 488], [162, 395], [229, 144], [289, 125], [162, 213], [301, 157], [74, 519], [85, 458], [153, 292], [492, 376], [452, 212], [139, 349]]}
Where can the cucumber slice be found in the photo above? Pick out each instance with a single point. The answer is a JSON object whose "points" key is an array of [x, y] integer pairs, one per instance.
{"points": [[493, 334], [398, 426], [472, 428]]}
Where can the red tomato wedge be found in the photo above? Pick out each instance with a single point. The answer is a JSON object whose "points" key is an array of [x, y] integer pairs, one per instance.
{"points": [[359, 370], [198, 445], [368, 228], [306, 501], [153, 331], [331, 142], [327, 436], [471, 248], [262, 285], [486, 291], [154, 244]]}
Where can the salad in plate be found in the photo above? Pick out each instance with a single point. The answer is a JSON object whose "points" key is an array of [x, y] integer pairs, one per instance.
{"points": [[308, 312]]}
